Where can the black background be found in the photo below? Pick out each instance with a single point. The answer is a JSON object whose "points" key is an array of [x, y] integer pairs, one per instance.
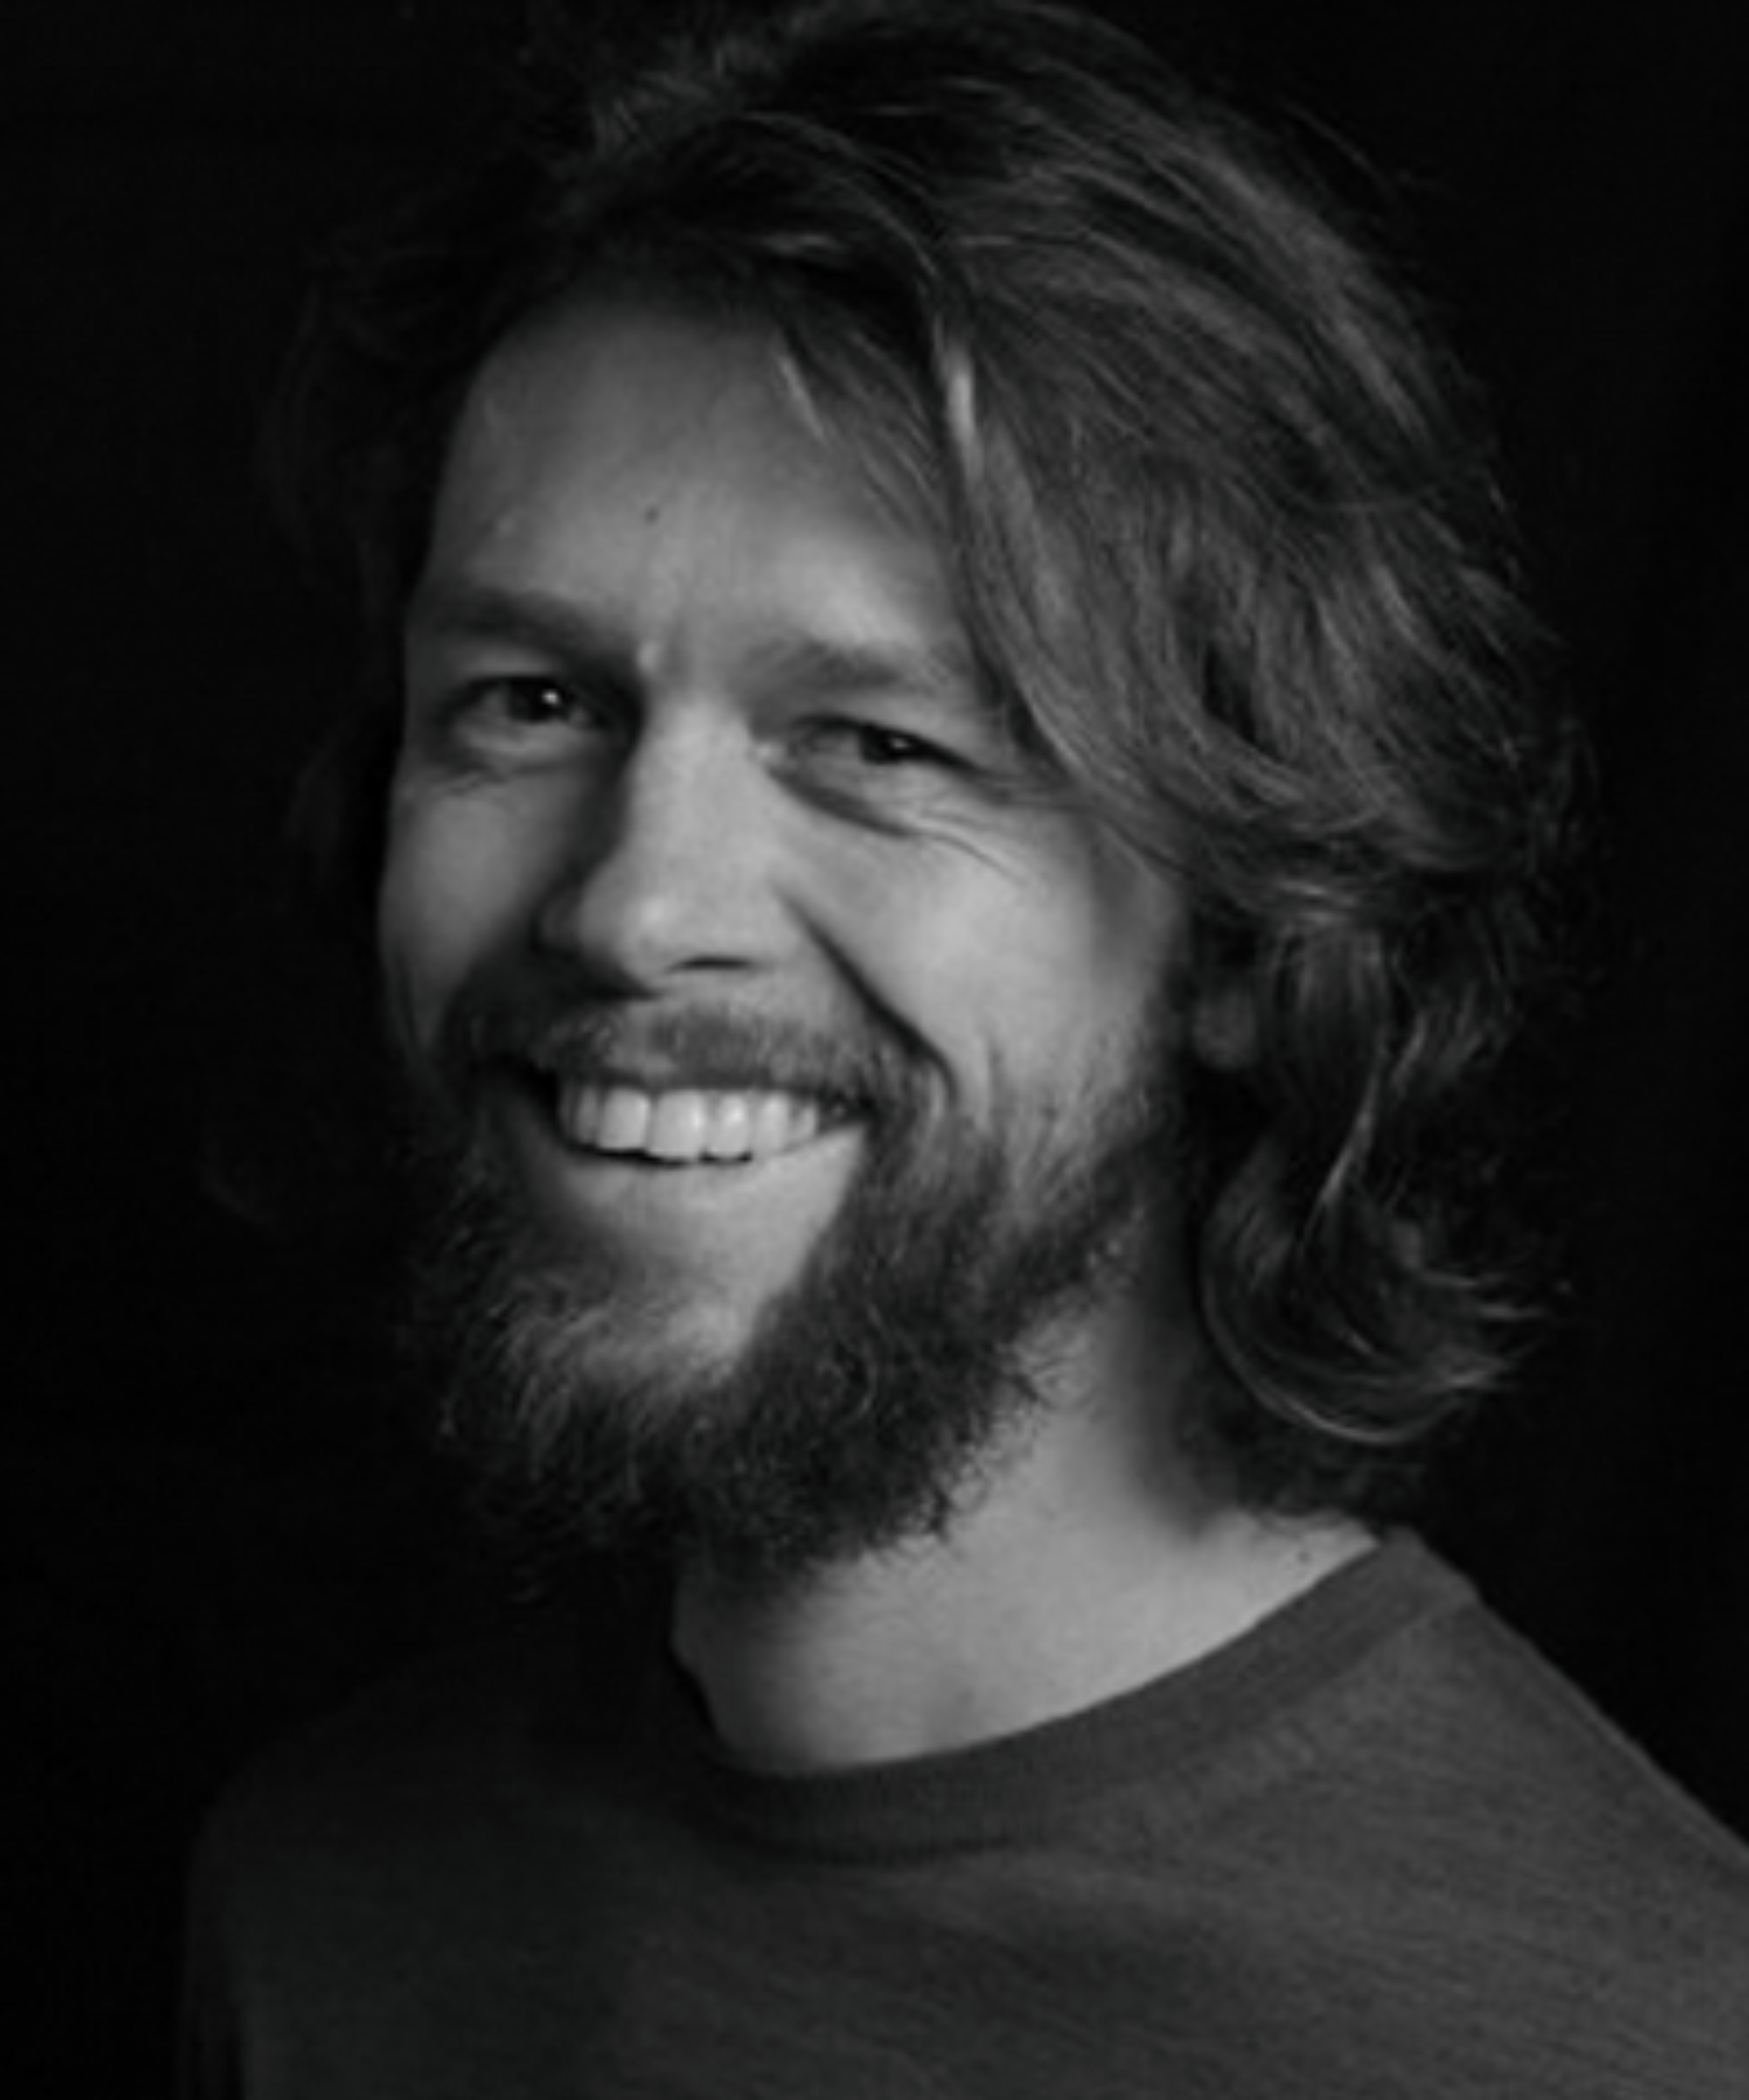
{"points": [[207, 1528]]}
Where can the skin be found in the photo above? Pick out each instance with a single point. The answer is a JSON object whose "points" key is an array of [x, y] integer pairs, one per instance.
{"points": [[689, 727]]}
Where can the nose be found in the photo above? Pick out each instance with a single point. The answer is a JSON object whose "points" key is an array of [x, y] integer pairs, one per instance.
{"points": [[671, 871]]}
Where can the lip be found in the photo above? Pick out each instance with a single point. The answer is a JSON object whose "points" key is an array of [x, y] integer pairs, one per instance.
{"points": [[698, 1051]]}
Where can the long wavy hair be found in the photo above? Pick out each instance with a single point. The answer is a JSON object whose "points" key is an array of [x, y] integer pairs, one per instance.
{"points": [[1227, 549]]}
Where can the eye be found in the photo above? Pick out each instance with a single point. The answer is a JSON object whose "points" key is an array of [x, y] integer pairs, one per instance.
{"points": [[879, 772], [525, 702], [519, 719], [875, 745]]}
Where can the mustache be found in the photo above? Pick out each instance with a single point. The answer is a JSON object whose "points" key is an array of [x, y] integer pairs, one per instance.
{"points": [[713, 1046]]}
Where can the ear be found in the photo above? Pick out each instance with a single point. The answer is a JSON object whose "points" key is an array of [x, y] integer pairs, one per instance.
{"points": [[1223, 1021]]}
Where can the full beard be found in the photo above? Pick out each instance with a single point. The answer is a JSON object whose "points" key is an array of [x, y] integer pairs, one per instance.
{"points": [[873, 1397]]}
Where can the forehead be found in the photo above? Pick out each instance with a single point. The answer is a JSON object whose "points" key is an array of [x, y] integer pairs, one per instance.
{"points": [[640, 378], [675, 470]]}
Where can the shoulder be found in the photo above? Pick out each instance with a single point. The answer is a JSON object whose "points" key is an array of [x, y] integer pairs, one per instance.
{"points": [[1494, 1748], [1498, 1854], [358, 1851], [454, 1741]]}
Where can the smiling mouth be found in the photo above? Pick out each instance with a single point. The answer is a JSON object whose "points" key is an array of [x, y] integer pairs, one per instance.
{"points": [[689, 1126]]}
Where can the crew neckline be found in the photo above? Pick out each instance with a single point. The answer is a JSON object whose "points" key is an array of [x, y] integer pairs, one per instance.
{"points": [[1183, 1722]]}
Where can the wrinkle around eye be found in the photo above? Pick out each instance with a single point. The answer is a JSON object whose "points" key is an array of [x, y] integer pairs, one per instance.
{"points": [[922, 792], [868, 766]]}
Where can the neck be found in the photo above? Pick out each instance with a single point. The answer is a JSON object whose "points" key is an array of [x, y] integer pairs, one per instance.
{"points": [[1089, 1568]]}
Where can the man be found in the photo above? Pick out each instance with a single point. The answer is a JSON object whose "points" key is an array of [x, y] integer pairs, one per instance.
{"points": [[962, 836]]}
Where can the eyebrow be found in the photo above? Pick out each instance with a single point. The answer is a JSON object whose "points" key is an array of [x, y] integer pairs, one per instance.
{"points": [[815, 666], [455, 610], [826, 667]]}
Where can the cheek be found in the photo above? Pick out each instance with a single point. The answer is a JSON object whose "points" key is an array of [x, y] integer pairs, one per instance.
{"points": [[1077, 983], [451, 896], [981, 966], [1066, 947]]}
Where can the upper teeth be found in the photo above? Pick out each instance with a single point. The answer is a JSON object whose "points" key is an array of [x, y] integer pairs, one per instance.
{"points": [[686, 1123]]}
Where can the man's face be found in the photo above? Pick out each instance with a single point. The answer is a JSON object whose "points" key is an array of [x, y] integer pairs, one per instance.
{"points": [[733, 946]]}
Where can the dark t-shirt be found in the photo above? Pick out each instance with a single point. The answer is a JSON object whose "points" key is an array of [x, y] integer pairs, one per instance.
{"points": [[1376, 1846]]}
